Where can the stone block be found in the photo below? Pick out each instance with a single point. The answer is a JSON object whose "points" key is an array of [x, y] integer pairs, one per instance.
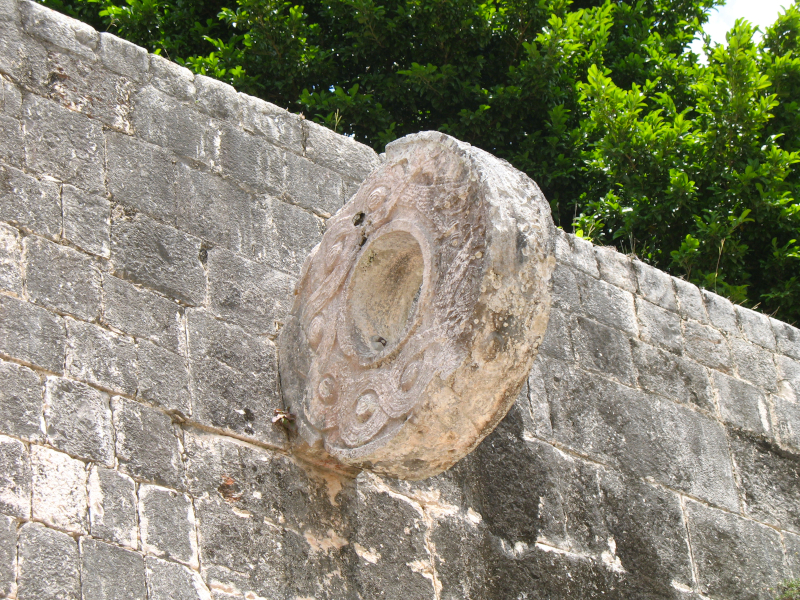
{"points": [[659, 327], [214, 208], [640, 433], [78, 419], [277, 125], [143, 314], [655, 286], [171, 581], [791, 543], [10, 98], [163, 120], [101, 357], [59, 30], [10, 260], [123, 57], [786, 415], [288, 235], [754, 364], [15, 478], [607, 304], [690, 301], [31, 334], [59, 490], [158, 257], [87, 220], [557, 341], [768, 480], [248, 293], [163, 378], [707, 346], [313, 187], [603, 349], [20, 402], [12, 146], [341, 154], [540, 425], [251, 161], [788, 378], [49, 565], [141, 176], [565, 293], [62, 279], [721, 313], [673, 376], [112, 507], [8, 557], [787, 338], [167, 524], [147, 444], [756, 327], [171, 78], [734, 557], [742, 405], [217, 98], [581, 255], [615, 268], [111, 573], [31, 204], [63, 144], [8, 10]]}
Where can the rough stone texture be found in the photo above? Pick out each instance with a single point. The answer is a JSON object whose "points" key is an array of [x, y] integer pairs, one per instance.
{"points": [[422, 358], [62, 279], [78, 419], [112, 507], [638, 461], [59, 490], [167, 525], [20, 402], [49, 565]]}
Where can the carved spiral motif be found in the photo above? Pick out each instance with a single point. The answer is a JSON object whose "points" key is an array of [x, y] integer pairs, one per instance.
{"points": [[418, 315]]}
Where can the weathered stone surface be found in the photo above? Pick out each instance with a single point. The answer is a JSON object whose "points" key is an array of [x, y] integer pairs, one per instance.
{"points": [[214, 208], [770, 481], [659, 327], [345, 156], [31, 334], [8, 556], [557, 341], [313, 187], [171, 581], [167, 524], [251, 161], [285, 234], [787, 417], [735, 557], [707, 346], [123, 57], [277, 125], [59, 490], [742, 405], [248, 293], [141, 176], [787, 338], [61, 278], [15, 478], [565, 292], [12, 148], [639, 433], [579, 253], [78, 420], [87, 220], [607, 304], [690, 301], [673, 376], [63, 144], [754, 364], [163, 378], [158, 257], [112, 507], [49, 565], [172, 78], [20, 401], [147, 445], [392, 381], [655, 286], [58, 29], [615, 268], [101, 357], [10, 260], [603, 349], [756, 327], [111, 573], [791, 543], [721, 313], [217, 98], [31, 204], [10, 97]]}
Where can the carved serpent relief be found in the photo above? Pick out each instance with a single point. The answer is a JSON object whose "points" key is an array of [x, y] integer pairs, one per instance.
{"points": [[417, 317]]}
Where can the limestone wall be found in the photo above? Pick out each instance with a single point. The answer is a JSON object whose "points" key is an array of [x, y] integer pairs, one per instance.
{"points": [[152, 227]]}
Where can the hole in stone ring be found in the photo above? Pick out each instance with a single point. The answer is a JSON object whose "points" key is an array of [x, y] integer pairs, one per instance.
{"points": [[385, 291]]}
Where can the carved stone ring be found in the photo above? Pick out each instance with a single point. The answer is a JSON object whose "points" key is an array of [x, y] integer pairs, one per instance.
{"points": [[417, 318]]}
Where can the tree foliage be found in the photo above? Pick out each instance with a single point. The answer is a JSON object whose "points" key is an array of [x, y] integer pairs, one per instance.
{"points": [[690, 164]]}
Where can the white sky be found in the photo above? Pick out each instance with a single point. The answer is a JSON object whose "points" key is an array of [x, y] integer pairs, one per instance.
{"points": [[759, 12]]}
